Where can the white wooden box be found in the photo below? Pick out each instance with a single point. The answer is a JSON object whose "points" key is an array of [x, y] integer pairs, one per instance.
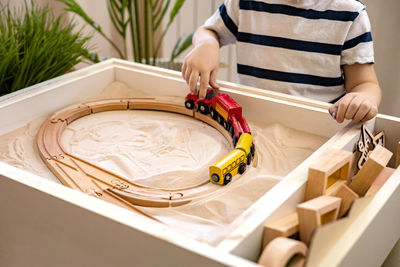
{"points": [[47, 224]]}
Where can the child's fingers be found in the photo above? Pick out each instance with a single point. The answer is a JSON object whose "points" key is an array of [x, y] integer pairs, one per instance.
{"points": [[333, 110], [194, 77], [204, 78], [188, 72], [372, 113], [362, 111], [342, 107], [213, 79], [353, 107], [183, 70]]}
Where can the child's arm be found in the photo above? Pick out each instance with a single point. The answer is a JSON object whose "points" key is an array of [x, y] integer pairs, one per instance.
{"points": [[202, 61], [363, 94]]}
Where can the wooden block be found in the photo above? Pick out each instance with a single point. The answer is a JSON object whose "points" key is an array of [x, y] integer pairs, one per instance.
{"points": [[332, 190], [316, 212], [377, 160], [397, 156], [380, 181], [316, 184], [326, 171], [284, 227], [281, 251], [348, 196]]}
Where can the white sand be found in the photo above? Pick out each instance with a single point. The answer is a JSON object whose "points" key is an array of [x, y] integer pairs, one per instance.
{"points": [[167, 150]]}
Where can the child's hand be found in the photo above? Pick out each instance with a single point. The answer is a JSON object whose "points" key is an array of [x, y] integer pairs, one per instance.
{"points": [[203, 62], [353, 106]]}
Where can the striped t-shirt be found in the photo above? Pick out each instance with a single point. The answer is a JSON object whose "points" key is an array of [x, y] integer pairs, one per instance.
{"points": [[295, 46]]}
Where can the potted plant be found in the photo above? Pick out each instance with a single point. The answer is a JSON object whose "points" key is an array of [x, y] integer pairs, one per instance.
{"points": [[36, 46], [143, 19]]}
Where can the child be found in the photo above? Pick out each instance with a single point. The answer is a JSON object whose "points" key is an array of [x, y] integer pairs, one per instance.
{"points": [[321, 49]]}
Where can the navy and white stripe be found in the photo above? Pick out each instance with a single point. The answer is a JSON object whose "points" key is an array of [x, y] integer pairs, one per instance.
{"points": [[295, 47], [227, 20], [363, 38], [289, 76], [287, 43], [300, 12]]}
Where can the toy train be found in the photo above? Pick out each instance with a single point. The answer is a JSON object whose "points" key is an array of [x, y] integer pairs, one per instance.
{"points": [[234, 162], [228, 113], [223, 109]]}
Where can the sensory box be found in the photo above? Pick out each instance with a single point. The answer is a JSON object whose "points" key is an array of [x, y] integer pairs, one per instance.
{"points": [[47, 224]]}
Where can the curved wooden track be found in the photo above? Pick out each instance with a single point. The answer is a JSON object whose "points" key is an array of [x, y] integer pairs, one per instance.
{"points": [[98, 182]]}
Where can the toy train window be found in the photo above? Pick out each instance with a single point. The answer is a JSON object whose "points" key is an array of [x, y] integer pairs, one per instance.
{"points": [[230, 167], [210, 94]]}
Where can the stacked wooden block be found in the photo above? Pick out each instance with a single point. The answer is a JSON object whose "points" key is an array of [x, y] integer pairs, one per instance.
{"points": [[330, 192]]}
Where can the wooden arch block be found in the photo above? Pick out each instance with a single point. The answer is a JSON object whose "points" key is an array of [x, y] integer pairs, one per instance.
{"points": [[316, 212], [281, 250], [326, 171]]}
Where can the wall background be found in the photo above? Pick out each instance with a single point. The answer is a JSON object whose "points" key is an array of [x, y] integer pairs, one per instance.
{"points": [[385, 23]]}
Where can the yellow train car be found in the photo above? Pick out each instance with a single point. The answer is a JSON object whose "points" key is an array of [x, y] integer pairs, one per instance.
{"points": [[234, 162], [245, 143]]}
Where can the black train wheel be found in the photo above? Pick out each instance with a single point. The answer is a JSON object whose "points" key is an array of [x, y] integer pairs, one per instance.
{"points": [[215, 177], [228, 178], [232, 132], [203, 108], [249, 159], [221, 120], [252, 150], [189, 104], [226, 125], [235, 140], [214, 114], [242, 168]]}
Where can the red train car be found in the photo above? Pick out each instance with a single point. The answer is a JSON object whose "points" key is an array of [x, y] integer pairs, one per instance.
{"points": [[202, 104], [223, 109]]}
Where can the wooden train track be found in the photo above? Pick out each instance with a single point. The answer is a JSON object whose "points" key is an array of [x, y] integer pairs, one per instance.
{"points": [[100, 183]]}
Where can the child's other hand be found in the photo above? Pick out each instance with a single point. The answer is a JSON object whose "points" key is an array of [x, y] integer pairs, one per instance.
{"points": [[353, 106], [203, 62]]}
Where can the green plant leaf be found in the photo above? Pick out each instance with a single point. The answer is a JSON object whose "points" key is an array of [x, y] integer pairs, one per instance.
{"points": [[114, 18], [180, 48], [125, 13], [157, 9], [176, 48], [175, 10], [74, 7], [36, 46], [160, 17]]}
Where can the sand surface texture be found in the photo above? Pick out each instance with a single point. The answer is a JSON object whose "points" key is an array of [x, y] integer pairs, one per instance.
{"points": [[166, 150]]}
